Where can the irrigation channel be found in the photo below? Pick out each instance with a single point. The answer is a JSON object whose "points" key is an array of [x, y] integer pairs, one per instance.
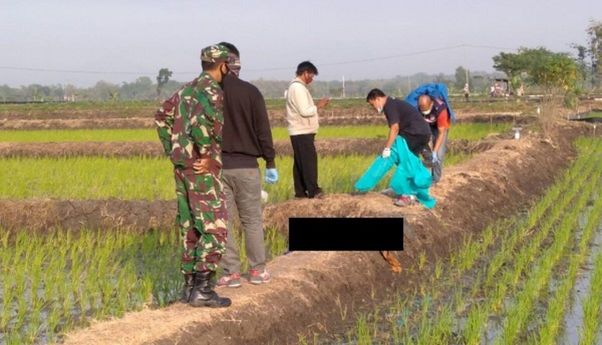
{"points": [[532, 279]]}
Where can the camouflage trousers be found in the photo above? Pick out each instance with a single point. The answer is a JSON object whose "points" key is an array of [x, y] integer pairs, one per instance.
{"points": [[201, 219]]}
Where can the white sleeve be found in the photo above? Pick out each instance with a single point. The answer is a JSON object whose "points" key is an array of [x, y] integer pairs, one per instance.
{"points": [[301, 99]]}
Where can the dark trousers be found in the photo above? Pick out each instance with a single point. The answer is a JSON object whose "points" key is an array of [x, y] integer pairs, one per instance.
{"points": [[305, 167]]}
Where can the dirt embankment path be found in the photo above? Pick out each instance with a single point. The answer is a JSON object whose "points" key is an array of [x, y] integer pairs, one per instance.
{"points": [[310, 290], [334, 119], [325, 147]]}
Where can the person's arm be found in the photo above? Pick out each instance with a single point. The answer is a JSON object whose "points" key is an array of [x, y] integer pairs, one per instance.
{"points": [[164, 119], [439, 141], [263, 132], [393, 132], [301, 99], [442, 126], [208, 112]]}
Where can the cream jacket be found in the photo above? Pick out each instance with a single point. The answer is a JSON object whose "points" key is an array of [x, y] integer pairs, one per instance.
{"points": [[301, 112]]}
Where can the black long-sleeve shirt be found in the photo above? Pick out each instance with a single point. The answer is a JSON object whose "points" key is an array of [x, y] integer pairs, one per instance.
{"points": [[246, 133], [409, 119]]}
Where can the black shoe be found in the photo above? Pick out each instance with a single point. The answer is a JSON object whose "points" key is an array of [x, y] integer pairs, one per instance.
{"points": [[187, 289], [203, 295], [319, 194]]}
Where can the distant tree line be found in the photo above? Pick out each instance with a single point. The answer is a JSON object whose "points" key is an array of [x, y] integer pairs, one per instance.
{"points": [[144, 88]]}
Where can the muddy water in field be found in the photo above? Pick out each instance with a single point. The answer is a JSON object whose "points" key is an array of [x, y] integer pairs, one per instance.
{"points": [[574, 316], [495, 324], [573, 320]]}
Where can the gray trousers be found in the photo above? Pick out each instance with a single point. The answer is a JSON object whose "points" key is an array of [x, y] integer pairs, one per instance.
{"points": [[438, 169], [243, 199]]}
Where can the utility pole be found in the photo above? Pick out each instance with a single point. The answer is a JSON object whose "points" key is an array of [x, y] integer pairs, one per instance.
{"points": [[343, 95]]}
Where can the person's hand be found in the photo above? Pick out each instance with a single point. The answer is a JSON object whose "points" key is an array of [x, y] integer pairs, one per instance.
{"points": [[435, 158], [323, 102], [386, 152], [201, 166], [271, 175]]}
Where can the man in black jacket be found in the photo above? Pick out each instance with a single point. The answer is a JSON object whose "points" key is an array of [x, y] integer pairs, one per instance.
{"points": [[246, 136]]}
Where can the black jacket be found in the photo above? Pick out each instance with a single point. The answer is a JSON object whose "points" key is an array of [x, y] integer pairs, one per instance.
{"points": [[246, 133]]}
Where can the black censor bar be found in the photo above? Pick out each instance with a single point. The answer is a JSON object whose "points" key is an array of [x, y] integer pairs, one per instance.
{"points": [[345, 234]]}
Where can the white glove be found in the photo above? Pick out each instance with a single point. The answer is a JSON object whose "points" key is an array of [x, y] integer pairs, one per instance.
{"points": [[386, 152]]}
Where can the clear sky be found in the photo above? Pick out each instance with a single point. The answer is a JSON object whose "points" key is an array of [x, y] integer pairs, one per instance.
{"points": [[119, 40]]}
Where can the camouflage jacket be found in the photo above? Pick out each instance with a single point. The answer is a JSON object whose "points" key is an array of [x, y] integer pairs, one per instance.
{"points": [[190, 123]]}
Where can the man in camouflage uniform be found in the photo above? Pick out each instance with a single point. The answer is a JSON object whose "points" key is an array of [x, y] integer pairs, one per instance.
{"points": [[190, 128]]}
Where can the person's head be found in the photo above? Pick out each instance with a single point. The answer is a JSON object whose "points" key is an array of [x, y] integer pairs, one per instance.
{"points": [[377, 99], [214, 60], [425, 104], [306, 71], [233, 58]]}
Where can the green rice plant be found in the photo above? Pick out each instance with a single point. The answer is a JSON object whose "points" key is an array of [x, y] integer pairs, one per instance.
{"points": [[67, 302], [84, 178], [421, 260], [521, 237], [496, 263], [35, 273], [469, 253], [34, 325], [592, 306], [8, 295], [554, 213], [146, 292], [276, 243], [472, 329], [439, 331], [558, 303], [4, 237], [14, 339], [520, 311], [425, 326], [501, 288], [477, 131], [79, 135], [53, 320], [438, 269]]}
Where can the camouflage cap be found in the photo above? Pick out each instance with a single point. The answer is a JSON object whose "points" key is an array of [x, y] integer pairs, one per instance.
{"points": [[214, 53], [234, 64]]}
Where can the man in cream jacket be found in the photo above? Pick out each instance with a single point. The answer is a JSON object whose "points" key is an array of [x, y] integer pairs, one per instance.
{"points": [[302, 118]]}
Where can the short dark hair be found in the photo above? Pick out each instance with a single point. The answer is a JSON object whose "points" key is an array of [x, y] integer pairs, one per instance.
{"points": [[306, 66], [374, 93], [231, 48], [208, 66]]}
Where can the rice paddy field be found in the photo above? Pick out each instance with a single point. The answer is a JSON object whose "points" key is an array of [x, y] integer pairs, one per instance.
{"points": [[533, 278], [530, 279], [467, 131], [140, 178], [124, 109]]}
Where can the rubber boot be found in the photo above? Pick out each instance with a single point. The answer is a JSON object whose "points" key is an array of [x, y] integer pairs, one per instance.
{"points": [[202, 293], [187, 289]]}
